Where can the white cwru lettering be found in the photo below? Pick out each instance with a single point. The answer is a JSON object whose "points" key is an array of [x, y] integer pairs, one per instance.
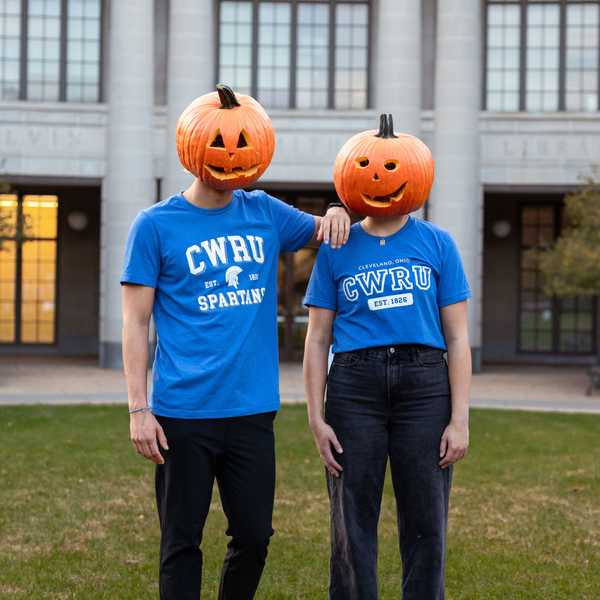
{"points": [[349, 287], [195, 269], [401, 279], [240, 250], [214, 249], [372, 282], [257, 248], [225, 249], [422, 276]]}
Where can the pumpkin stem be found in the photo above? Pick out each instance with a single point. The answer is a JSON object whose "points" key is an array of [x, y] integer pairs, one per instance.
{"points": [[386, 127], [226, 96]]}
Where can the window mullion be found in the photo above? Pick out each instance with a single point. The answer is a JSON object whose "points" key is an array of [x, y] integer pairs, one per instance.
{"points": [[23, 51], [293, 52], [523, 58], [254, 72], [18, 270], [598, 63], [562, 56], [62, 73], [331, 82]]}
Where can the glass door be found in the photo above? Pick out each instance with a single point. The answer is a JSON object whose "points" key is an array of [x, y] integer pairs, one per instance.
{"points": [[28, 259], [549, 324]]}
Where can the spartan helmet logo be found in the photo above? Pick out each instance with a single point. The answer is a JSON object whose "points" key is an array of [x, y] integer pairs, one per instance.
{"points": [[231, 276]]}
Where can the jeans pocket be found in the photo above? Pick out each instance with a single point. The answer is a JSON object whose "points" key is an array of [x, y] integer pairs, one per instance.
{"points": [[431, 358], [345, 359]]}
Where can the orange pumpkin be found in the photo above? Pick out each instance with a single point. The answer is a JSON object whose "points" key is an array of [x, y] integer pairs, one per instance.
{"points": [[227, 141], [380, 174]]}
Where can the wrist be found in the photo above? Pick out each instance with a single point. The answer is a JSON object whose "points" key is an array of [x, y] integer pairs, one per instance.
{"points": [[460, 420], [137, 400], [315, 419], [336, 205]]}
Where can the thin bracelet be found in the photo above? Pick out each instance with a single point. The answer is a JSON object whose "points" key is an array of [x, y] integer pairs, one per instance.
{"points": [[137, 410]]}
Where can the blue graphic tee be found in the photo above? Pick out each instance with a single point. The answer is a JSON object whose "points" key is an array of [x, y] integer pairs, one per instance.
{"points": [[215, 307], [389, 290]]}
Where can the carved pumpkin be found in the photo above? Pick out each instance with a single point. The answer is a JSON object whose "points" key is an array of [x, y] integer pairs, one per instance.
{"points": [[380, 174], [224, 140]]}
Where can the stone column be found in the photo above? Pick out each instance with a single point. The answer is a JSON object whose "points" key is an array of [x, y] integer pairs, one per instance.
{"points": [[191, 72], [129, 184], [398, 69], [456, 202]]}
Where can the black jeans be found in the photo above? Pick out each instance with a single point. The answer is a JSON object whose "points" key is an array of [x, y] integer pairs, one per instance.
{"points": [[238, 452], [390, 402]]}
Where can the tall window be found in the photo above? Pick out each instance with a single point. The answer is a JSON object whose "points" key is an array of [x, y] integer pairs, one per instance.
{"points": [[542, 55], [50, 50], [28, 269], [10, 48], [548, 324], [296, 53]]}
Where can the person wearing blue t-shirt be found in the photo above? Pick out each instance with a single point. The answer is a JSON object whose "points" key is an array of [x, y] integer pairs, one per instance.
{"points": [[393, 301], [204, 264]]}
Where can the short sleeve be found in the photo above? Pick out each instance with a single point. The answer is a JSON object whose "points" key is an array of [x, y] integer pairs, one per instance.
{"points": [[322, 291], [295, 227], [142, 253], [453, 286]]}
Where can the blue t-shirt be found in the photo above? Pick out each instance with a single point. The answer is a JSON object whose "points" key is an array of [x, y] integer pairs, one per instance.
{"points": [[389, 290], [215, 307]]}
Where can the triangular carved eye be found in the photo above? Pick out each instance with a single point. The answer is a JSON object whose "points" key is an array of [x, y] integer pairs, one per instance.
{"points": [[218, 141], [242, 142]]}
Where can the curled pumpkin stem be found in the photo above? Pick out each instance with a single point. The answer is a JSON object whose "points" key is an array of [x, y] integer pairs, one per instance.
{"points": [[227, 96], [386, 127]]}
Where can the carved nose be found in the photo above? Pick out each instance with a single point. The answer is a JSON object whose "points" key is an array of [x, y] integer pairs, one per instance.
{"points": [[231, 154], [375, 177]]}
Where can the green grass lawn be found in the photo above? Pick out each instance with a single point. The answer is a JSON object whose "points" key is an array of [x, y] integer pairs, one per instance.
{"points": [[77, 516]]}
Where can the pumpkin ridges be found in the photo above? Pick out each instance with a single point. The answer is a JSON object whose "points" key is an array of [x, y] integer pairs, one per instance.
{"points": [[414, 171], [199, 122]]}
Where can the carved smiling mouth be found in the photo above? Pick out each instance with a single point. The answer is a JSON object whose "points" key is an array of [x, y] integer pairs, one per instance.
{"points": [[383, 201], [221, 173]]}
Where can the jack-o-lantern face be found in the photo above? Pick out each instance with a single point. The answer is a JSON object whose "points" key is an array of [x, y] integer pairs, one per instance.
{"points": [[379, 174], [227, 141]]}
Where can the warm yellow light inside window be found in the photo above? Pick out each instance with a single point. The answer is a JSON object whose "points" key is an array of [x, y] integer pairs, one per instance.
{"points": [[39, 215], [7, 291], [37, 244], [8, 215]]}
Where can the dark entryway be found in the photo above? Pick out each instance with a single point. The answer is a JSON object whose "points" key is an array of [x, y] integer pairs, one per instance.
{"points": [[49, 270]]}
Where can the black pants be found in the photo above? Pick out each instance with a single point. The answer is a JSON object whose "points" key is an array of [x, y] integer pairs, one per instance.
{"points": [[391, 403], [239, 453]]}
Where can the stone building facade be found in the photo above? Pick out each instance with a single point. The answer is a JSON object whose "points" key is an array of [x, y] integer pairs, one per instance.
{"points": [[505, 92]]}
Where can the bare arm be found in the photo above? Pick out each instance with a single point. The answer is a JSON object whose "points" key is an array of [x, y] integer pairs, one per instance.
{"points": [[455, 440], [316, 351], [144, 428]]}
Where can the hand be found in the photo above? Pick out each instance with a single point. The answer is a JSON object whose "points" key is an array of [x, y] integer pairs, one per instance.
{"points": [[144, 431], [454, 444], [335, 227], [324, 439]]}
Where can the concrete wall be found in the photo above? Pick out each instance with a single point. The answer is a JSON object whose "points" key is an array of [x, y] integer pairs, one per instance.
{"points": [[69, 140]]}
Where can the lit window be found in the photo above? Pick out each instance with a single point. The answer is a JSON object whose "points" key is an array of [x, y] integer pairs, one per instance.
{"points": [[28, 269]]}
